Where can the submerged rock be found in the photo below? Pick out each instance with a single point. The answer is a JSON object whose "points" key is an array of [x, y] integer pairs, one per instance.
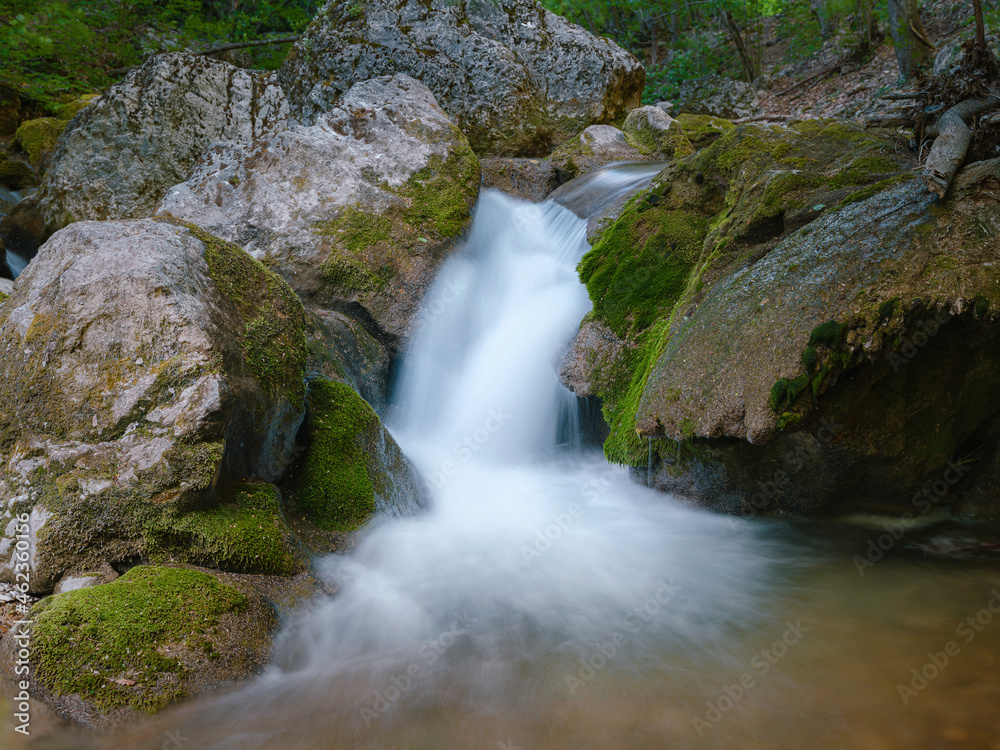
{"points": [[356, 211], [144, 366], [119, 155], [806, 332], [516, 78]]}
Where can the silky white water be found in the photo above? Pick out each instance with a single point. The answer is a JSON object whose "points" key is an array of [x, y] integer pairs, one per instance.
{"points": [[545, 601]]}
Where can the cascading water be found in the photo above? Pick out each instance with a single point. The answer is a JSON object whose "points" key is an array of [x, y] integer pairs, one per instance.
{"points": [[544, 601]]}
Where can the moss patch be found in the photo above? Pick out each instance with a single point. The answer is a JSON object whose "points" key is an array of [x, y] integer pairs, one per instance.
{"points": [[94, 642], [16, 175], [703, 130], [244, 534], [38, 137], [335, 488], [273, 333]]}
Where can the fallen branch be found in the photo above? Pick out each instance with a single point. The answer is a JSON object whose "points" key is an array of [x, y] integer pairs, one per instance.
{"points": [[889, 121], [952, 143], [767, 118], [224, 48], [906, 96]]}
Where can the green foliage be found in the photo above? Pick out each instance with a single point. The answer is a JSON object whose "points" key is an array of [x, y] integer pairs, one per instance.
{"points": [[52, 49], [93, 641], [699, 56]]}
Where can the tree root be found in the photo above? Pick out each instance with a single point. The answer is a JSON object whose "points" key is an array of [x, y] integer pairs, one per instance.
{"points": [[952, 143]]}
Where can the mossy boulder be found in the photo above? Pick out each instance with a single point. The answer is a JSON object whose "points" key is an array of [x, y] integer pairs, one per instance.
{"points": [[352, 467], [72, 108], [149, 365], [16, 174], [142, 136], [37, 138], [103, 654], [595, 147], [652, 132], [516, 79], [779, 282], [355, 212], [702, 130], [341, 348]]}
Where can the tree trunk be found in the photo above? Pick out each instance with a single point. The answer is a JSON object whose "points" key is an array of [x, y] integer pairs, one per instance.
{"points": [[656, 43], [913, 48], [825, 15]]}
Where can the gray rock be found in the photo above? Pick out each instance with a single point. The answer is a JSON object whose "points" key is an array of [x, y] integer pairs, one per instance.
{"points": [[530, 179], [950, 54], [355, 211], [594, 349], [516, 78], [119, 155], [140, 363], [595, 147], [719, 97], [654, 133]]}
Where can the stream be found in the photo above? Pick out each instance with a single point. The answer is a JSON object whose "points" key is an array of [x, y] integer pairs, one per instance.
{"points": [[544, 601]]}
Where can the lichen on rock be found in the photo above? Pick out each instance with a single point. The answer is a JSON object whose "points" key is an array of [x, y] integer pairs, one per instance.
{"points": [[143, 364], [356, 210]]}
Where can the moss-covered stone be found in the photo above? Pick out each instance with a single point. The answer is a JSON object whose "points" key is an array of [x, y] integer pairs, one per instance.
{"points": [[703, 130], [336, 491], [129, 643], [37, 138], [69, 110], [245, 533], [16, 174], [704, 217]]}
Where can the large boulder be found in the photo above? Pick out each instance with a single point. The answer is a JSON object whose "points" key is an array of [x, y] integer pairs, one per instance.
{"points": [[803, 331], [718, 96], [516, 78], [145, 369], [104, 655], [355, 211], [119, 155]]}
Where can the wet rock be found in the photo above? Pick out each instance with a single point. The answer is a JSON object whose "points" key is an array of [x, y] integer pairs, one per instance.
{"points": [[653, 132], [719, 97], [529, 179], [593, 351], [144, 368], [340, 348], [595, 147], [355, 211], [806, 332], [351, 467], [142, 136], [517, 79]]}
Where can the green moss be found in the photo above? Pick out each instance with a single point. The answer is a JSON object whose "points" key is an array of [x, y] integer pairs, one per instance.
{"points": [[3, 297], [84, 641], [886, 310], [778, 391], [809, 358], [703, 130], [982, 307], [827, 333], [37, 137], [15, 175], [439, 194], [69, 110], [335, 489], [640, 266], [273, 332], [245, 534], [356, 229]]}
